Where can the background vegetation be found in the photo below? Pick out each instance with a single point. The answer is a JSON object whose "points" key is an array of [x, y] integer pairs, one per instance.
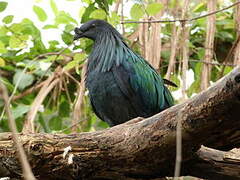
{"points": [[46, 82]]}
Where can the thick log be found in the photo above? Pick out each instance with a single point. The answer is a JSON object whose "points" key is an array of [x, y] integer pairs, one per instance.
{"points": [[140, 148], [214, 164]]}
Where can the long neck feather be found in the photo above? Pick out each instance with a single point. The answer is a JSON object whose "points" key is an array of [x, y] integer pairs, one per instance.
{"points": [[109, 50]]}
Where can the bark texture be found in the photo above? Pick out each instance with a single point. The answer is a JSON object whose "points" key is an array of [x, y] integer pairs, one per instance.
{"points": [[141, 148]]}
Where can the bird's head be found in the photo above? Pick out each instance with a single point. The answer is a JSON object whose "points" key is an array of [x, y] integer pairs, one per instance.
{"points": [[93, 29]]}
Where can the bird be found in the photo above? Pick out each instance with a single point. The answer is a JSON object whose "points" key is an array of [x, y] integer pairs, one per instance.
{"points": [[122, 85]]}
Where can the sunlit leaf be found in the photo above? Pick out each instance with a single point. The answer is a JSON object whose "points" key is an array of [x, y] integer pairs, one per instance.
{"points": [[2, 47], [8, 19], [15, 42], [87, 12], [50, 26], [64, 18], [81, 11], [67, 38], [87, 1], [202, 6], [3, 5], [54, 7], [2, 62], [42, 16], [137, 11], [98, 14], [77, 59], [154, 8]]}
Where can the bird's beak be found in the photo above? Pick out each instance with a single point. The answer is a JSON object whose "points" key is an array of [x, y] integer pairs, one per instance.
{"points": [[78, 34]]}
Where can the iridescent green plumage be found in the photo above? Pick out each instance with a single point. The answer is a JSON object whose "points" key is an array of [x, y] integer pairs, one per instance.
{"points": [[122, 85]]}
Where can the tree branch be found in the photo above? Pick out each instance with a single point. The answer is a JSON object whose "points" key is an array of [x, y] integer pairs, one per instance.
{"points": [[184, 20], [139, 149]]}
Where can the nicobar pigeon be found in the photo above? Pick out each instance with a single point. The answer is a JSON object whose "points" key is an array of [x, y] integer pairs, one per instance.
{"points": [[122, 85]]}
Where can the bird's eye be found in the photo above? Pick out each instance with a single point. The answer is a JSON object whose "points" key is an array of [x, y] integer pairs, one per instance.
{"points": [[93, 25]]}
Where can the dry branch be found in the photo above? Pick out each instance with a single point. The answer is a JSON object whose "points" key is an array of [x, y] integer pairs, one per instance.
{"points": [[209, 45], [208, 159], [237, 19], [27, 173], [139, 149], [185, 20], [77, 111]]}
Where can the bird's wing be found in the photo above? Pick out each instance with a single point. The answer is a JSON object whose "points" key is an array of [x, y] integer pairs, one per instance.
{"points": [[138, 79], [94, 109]]}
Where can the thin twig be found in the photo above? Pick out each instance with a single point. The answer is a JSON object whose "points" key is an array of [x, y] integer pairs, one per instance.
{"points": [[28, 91], [203, 61], [71, 77], [27, 172], [178, 146], [230, 53], [213, 63], [183, 20], [66, 89], [75, 124], [46, 88], [122, 16], [77, 111]]}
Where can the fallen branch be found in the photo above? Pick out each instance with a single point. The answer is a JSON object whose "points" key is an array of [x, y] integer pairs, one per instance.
{"points": [[140, 148], [207, 160]]}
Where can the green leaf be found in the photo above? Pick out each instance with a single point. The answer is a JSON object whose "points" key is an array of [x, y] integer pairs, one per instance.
{"points": [[8, 84], [55, 123], [69, 28], [2, 48], [18, 41], [8, 19], [53, 43], [227, 70], [54, 7], [15, 42], [20, 110], [3, 5], [64, 109], [87, 12], [81, 11], [42, 16], [77, 59], [114, 19], [23, 79], [2, 62], [98, 14], [154, 8], [200, 7], [64, 18], [67, 38], [50, 26], [137, 11], [87, 1]]}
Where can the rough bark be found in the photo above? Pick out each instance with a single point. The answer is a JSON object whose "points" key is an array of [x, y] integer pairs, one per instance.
{"points": [[139, 148], [208, 160]]}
